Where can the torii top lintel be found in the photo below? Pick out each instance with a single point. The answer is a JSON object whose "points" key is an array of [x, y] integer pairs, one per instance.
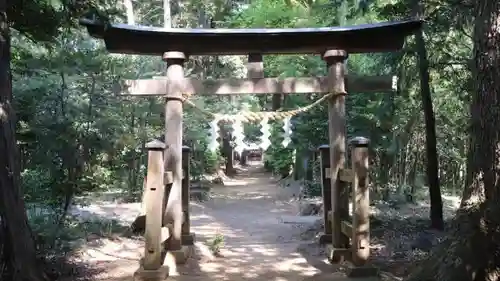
{"points": [[143, 40]]}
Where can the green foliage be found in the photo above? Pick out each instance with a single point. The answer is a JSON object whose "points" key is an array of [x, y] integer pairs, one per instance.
{"points": [[215, 244], [37, 185], [279, 159], [55, 237], [54, 16], [314, 186]]}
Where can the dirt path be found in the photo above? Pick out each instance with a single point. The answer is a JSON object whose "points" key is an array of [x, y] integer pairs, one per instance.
{"points": [[261, 237]]}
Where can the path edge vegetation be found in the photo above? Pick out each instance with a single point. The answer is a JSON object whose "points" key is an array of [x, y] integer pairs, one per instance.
{"points": [[19, 260]]}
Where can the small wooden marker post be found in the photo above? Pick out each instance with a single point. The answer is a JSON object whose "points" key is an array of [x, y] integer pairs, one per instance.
{"points": [[356, 231], [152, 262], [360, 201], [360, 247], [187, 236]]}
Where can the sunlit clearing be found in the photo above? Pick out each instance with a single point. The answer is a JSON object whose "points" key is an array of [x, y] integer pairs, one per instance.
{"points": [[265, 251], [296, 264], [240, 182]]}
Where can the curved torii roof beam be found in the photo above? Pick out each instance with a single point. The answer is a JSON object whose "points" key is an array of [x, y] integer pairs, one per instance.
{"points": [[144, 40]]}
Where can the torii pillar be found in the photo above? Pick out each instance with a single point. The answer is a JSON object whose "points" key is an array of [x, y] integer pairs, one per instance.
{"points": [[175, 252]]}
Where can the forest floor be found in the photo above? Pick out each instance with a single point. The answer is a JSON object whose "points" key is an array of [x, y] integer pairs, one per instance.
{"points": [[265, 237]]}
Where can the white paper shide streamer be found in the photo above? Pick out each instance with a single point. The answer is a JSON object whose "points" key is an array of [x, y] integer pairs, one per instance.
{"points": [[239, 136], [265, 129], [213, 144], [287, 131]]}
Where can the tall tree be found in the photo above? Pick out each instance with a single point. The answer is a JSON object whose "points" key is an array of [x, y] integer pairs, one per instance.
{"points": [[17, 248], [167, 14], [129, 10], [470, 253], [432, 167], [18, 256], [483, 185]]}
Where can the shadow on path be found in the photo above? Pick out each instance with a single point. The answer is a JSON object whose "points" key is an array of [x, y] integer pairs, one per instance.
{"points": [[250, 212], [258, 245]]}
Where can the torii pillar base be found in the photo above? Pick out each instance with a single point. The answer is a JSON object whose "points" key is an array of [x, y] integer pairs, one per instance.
{"points": [[363, 271], [159, 274], [325, 239], [178, 256], [188, 239]]}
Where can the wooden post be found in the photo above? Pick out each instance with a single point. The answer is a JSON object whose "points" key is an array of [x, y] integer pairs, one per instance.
{"points": [[187, 236], [335, 60], [244, 158], [260, 86], [255, 69], [154, 205], [297, 165], [361, 202], [326, 191], [228, 152], [255, 66], [173, 140]]}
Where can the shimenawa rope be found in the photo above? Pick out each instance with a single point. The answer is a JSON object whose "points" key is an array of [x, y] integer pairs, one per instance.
{"points": [[248, 116]]}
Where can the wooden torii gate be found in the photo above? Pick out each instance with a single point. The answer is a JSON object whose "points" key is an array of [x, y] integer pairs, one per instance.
{"points": [[175, 45]]}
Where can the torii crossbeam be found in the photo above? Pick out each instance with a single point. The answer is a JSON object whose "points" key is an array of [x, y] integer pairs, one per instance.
{"points": [[332, 43], [259, 86]]}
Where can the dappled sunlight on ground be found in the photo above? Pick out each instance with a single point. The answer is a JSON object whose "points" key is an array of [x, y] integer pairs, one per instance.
{"points": [[261, 237], [123, 212], [108, 250], [248, 181]]}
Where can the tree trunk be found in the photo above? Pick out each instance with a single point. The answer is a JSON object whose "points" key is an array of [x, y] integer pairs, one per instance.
{"points": [[436, 214], [485, 112], [167, 14], [228, 153], [17, 249], [471, 252], [276, 102], [129, 9]]}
